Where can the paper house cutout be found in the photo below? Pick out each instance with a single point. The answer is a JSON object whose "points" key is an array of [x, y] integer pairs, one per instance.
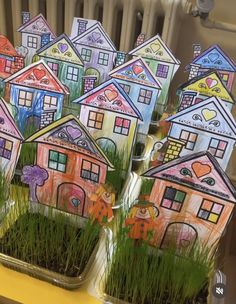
{"points": [[206, 126], [143, 88], [37, 95], [111, 118], [195, 199], [35, 33], [202, 87], [66, 63], [160, 60], [75, 164], [213, 58], [96, 48], [10, 142]]}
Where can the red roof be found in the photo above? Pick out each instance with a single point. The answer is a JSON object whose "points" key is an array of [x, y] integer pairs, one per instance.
{"points": [[6, 48]]}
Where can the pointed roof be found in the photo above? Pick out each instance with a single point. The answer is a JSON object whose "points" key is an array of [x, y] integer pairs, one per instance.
{"points": [[37, 25], [111, 97], [61, 48], [209, 84], [155, 48], [210, 115], [69, 133], [6, 48], [38, 75], [95, 36], [136, 70], [7, 123], [202, 173], [215, 58]]}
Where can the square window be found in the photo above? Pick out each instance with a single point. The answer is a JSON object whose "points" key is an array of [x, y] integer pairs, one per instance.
{"points": [[103, 58], [213, 218], [214, 143], [173, 199], [125, 87], [217, 208], [53, 155], [121, 126], [86, 54], [62, 158], [190, 139], [25, 98], [184, 135], [61, 167], [145, 96], [52, 165], [212, 214], [176, 206], [54, 67], [72, 73], [90, 171], [203, 214], [86, 165], [217, 147], [166, 203], [32, 42], [95, 120], [170, 193], [219, 154], [207, 205], [179, 196], [57, 161]]}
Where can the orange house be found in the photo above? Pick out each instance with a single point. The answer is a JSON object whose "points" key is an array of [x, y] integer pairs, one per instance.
{"points": [[194, 198], [75, 164]]}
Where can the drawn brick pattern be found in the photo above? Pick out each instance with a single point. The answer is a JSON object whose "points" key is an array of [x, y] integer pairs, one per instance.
{"points": [[120, 58], [173, 150], [140, 39], [89, 83], [46, 118], [196, 50], [193, 71], [186, 102]]}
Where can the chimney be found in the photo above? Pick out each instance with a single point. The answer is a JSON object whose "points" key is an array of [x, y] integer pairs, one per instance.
{"points": [[120, 58], [140, 39], [196, 50], [89, 83], [174, 149], [82, 24], [25, 17], [45, 39]]}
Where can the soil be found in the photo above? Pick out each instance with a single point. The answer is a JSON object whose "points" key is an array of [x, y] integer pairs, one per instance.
{"points": [[75, 269]]}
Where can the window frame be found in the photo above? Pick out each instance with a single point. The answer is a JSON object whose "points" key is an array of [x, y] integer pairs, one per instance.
{"points": [[188, 141], [4, 149], [125, 87], [85, 56], [47, 105], [210, 211], [147, 99], [101, 58], [83, 172], [22, 101], [95, 120], [217, 148], [173, 200], [55, 71], [76, 75], [32, 42], [122, 127], [8, 66], [57, 161]]}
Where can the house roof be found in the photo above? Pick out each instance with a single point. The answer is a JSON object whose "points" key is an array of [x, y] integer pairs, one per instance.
{"points": [[201, 172], [136, 70], [214, 58], [111, 97], [6, 48], [155, 48], [61, 48], [210, 115], [209, 84], [37, 25], [38, 75], [69, 133], [7, 123], [95, 36]]}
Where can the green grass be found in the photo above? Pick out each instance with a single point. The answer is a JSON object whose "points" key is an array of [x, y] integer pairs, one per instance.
{"points": [[4, 189], [147, 184]]}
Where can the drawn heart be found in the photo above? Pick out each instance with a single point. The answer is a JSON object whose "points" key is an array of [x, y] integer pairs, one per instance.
{"points": [[63, 47], [137, 69], [74, 132], [75, 202], [213, 57], [40, 24], [96, 36], [200, 169], [208, 114], [184, 243], [39, 73], [211, 82], [155, 47], [110, 94]]}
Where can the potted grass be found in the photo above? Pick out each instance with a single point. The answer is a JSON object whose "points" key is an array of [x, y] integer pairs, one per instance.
{"points": [[48, 244], [4, 196]]}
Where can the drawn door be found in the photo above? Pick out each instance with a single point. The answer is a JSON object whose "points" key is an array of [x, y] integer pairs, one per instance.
{"points": [[181, 235], [71, 198], [106, 144]]}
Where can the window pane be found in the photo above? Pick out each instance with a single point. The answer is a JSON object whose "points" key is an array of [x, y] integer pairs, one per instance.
{"points": [[62, 158], [53, 155], [217, 208], [179, 197], [61, 167], [170, 193], [52, 164], [203, 214], [166, 203], [176, 206], [213, 217], [207, 205]]}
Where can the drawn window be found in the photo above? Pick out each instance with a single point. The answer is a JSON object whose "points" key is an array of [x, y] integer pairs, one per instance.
{"points": [[5, 148], [162, 70], [121, 126], [190, 139], [25, 98], [103, 58], [173, 199], [50, 101], [54, 67], [95, 120], [72, 73], [86, 54], [90, 171], [210, 211], [125, 87], [32, 42], [217, 147], [8, 66], [57, 161], [145, 96], [224, 77]]}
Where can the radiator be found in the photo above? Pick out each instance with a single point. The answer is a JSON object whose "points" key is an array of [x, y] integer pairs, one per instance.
{"points": [[122, 19]]}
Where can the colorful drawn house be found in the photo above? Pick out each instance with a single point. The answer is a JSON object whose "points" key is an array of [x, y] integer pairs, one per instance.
{"points": [[143, 88], [202, 87], [36, 94], [35, 33], [206, 126], [75, 164], [111, 118], [95, 47], [161, 61], [213, 58], [195, 200], [10, 141], [64, 60]]}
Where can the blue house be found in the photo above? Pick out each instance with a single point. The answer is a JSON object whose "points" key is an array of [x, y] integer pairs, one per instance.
{"points": [[36, 95], [143, 88]]}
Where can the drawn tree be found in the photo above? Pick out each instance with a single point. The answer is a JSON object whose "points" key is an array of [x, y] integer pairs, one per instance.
{"points": [[34, 176]]}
